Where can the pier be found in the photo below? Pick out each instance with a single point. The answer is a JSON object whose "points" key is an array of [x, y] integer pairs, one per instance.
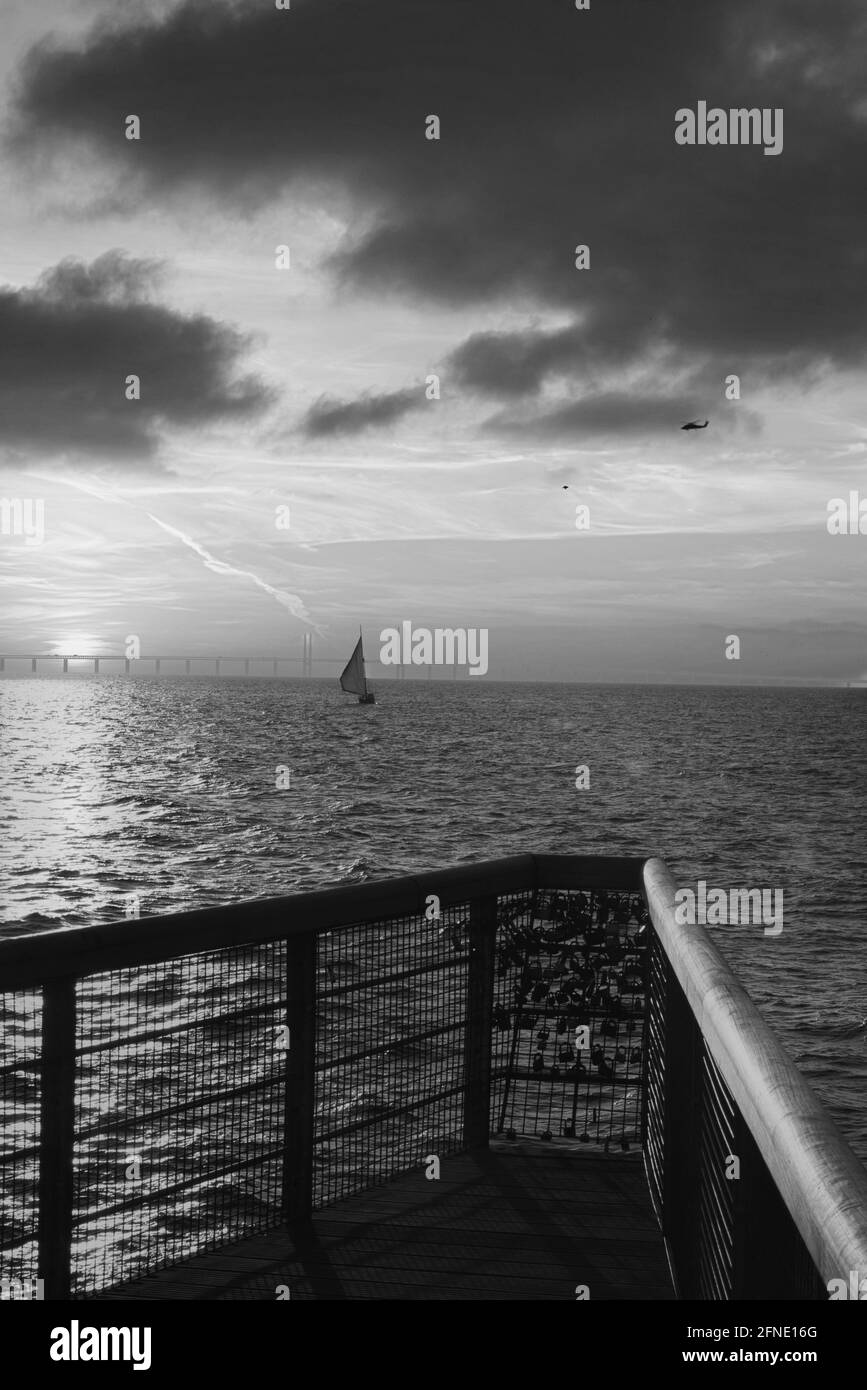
{"points": [[515, 1079]]}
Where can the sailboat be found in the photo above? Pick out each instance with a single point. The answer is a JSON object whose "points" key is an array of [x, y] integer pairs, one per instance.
{"points": [[353, 680]]}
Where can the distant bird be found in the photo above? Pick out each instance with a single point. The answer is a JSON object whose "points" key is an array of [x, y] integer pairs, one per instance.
{"points": [[694, 425], [565, 487]]}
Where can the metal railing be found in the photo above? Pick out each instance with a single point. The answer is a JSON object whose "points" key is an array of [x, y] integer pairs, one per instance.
{"points": [[758, 1194], [172, 1084]]}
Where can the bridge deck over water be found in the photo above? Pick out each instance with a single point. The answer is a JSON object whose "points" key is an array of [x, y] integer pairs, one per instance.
{"points": [[517, 1221]]}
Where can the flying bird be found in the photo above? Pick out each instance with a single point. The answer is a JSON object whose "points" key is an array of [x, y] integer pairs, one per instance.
{"points": [[694, 425]]}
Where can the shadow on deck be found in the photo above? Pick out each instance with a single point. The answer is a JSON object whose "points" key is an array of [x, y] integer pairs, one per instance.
{"points": [[516, 1221]]}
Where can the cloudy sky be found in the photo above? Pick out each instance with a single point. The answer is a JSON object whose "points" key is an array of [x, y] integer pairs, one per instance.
{"points": [[264, 386]]}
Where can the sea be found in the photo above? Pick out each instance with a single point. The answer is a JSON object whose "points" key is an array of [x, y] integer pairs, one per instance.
{"points": [[179, 793]]}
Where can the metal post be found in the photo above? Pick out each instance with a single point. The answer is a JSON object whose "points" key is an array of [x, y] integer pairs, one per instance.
{"points": [[65, 665], [56, 1183], [33, 664], [479, 1021], [300, 1095], [187, 666], [96, 665], [157, 666], [126, 665]]}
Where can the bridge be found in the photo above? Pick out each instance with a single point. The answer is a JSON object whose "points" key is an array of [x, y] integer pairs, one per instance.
{"points": [[151, 664]]}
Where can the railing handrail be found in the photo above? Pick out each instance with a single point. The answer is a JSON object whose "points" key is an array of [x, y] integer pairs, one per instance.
{"points": [[820, 1179], [27, 961]]}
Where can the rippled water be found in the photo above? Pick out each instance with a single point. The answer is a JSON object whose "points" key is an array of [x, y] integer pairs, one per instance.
{"points": [[167, 790]]}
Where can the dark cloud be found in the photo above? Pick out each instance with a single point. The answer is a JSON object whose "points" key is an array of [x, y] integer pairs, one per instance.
{"points": [[506, 365], [328, 417], [68, 344], [519, 363], [518, 366], [557, 129], [112, 278]]}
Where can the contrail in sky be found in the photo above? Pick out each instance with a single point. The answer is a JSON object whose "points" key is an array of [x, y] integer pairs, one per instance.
{"points": [[290, 601]]}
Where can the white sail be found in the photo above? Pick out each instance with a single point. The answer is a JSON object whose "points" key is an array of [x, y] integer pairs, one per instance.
{"points": [[352, 679]]}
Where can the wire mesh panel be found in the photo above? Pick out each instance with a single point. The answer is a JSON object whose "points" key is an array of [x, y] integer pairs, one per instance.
{"points": [[654, 1112], [180, 1074], [20, 1126], [718, 1184], [571, 979], [390, 1041]]}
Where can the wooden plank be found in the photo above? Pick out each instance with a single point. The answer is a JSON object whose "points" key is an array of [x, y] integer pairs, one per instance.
{"points": [[531, 1241], [397, 1255], [588, 872], [388, 1244]]}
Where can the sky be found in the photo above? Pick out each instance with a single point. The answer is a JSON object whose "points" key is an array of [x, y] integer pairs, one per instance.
{"points": [[310, 385]]}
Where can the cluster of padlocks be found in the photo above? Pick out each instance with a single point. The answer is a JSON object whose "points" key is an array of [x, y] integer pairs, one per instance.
{"points": [[570, 1007]]}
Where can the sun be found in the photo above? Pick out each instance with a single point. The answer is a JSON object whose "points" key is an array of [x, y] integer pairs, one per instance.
{"points": [[78, 644]]}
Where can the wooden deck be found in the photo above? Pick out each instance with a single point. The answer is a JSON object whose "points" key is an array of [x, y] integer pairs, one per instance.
{"points": [[518, 1221]]}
